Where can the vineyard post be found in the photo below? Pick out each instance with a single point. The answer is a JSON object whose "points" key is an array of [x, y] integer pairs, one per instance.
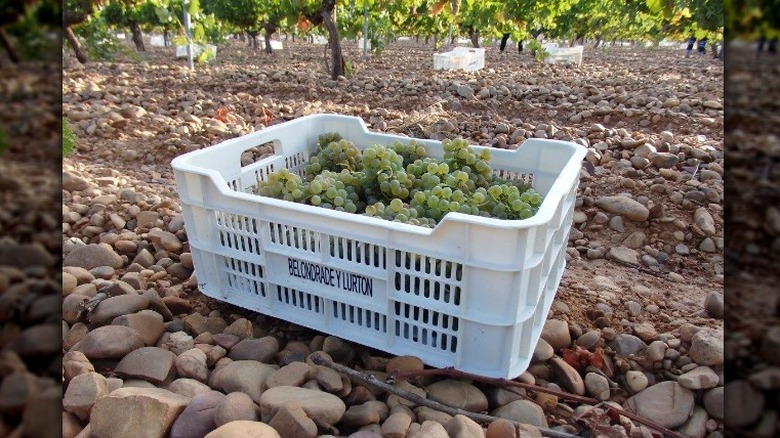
{"points": [[365, 31], [188, 31]]}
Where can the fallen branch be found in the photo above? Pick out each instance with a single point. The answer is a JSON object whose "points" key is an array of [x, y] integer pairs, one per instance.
{"points": [[503, 383], [372, 381]]}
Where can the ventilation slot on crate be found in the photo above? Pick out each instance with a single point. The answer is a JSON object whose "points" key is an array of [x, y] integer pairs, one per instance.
{"points": [[238, 232], [244, 277], [426, 327], [295, 237], [527, 178], [360, 317], [360, 253], [261, 174], [429, 278], [296, 162], [298, 299]]}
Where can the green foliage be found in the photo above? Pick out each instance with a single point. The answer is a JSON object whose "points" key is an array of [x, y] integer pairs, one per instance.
{"points": [[68, 139], [100, 43], [538, 51], [35, 31]]}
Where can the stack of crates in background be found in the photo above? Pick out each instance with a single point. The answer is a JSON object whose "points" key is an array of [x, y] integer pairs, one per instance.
{"points": [[565, 55], [473, 292], [460, 58]]}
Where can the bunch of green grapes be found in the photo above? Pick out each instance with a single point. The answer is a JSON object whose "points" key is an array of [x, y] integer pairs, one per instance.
{"points": [[337, 191], [335, 157], [460, 156], [283, 185], [411, 151], [399, 211], [401, 183], [506, 202], [380, 166], [441, 199]]}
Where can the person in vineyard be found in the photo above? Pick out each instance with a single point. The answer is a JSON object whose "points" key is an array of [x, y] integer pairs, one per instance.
{"points": [[689, 49], [701, 46]]}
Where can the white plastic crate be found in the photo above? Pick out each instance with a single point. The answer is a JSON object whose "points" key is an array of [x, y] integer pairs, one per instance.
{"points": [[158, 41], [460, 58], [472, 293], [181, 51], [275, 45], [360, 42], [565, 54]]}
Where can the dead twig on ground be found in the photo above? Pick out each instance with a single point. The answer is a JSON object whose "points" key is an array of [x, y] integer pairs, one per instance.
{"points": [[503, 383], [370, 380]]}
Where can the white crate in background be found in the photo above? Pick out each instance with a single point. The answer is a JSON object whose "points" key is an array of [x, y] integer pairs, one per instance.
{"points": [[360, 43], [275, 45], [460, 58], [158, 41], [565, 54], [181, 51], [472, 293]]}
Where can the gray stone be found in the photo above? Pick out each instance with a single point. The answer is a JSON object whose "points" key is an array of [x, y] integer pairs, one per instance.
{"points": [[702, 377], [707, 347], [136, 412], [713, 305], [667, 403], [262, 350], [192, 364], [152, 364], [188, 387], [370, 412], [291, 421], [461, 426], [589, 339], [177, 342], [568, 377], [82, 393], [625, 345], [696, 426], [465, 91], [556, 333], [704, 221], [428, 429], [624, 254], [624, 206], [234, 407], [247, 376], [198, 324], [597, 386], [92, 256], [148, 324], [324, 408], [109, 342], [458, 394], [197, 419], [543, 351], [523, 411], [113, 307], [244, 429], [636, 381], [396, 425]]}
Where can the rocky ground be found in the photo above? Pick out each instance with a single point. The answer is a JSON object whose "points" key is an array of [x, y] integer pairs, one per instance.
{"points": [[30, 248], [641, 299]]}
